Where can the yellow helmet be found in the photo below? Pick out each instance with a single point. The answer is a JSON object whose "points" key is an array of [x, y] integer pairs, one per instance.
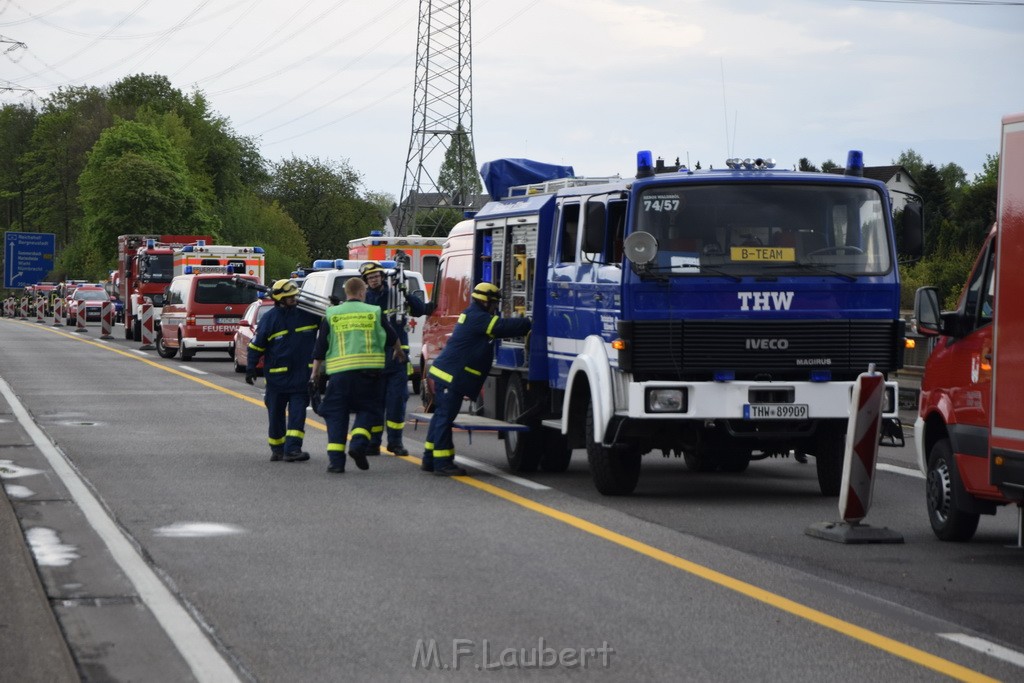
{"points": [[370, 267], [283, 289], [486, 292]]}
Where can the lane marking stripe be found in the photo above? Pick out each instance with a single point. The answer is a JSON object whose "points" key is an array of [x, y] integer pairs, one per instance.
{"points": [[877, 640], [206, 662], [984, 646]]}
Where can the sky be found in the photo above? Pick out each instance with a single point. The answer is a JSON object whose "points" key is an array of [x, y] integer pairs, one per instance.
{"points": [[583, 83]]}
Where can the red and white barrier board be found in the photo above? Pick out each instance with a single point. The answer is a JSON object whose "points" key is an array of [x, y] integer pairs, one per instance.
{"points": [[862, 439]]}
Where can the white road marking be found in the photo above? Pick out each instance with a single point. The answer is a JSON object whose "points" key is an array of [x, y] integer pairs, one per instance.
{"points": [[896, 469], [47, 548], [197, 530], [985, 647], [484, 467], [189, 368], [206, 662]]}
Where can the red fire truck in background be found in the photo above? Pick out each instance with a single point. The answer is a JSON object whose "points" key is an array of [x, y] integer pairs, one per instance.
{"points": [[412, 252], [969, 431], [145, 266]]}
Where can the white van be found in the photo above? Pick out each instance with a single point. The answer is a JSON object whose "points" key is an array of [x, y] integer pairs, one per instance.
{"points": [[330, 285]]}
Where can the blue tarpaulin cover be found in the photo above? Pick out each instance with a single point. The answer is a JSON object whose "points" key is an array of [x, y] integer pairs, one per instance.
{"points": [[501, 174]]}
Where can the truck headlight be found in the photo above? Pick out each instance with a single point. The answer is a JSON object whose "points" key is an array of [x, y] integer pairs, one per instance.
{"points": [[666, 400]]}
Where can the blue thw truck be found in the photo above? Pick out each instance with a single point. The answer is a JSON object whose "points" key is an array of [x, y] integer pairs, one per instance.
{"points": [[719, 315]]}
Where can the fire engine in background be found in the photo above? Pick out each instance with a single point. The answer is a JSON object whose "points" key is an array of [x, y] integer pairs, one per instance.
{"points": [[721, 315], [205, 258], [412, 252], [969, 432], [145, 266]]}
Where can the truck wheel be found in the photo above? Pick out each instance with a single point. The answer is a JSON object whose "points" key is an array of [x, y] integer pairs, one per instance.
{"points": [[128, 329], [186, 354], [615, 472], [137, 328], [426, 395], [522, 449], [162, 348], [697, 463], [948, 522], [735, 461], [829, 449], [555, 450]]}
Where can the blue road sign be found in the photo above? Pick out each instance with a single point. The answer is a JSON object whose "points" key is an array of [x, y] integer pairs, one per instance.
{"points": [[28, 257]]}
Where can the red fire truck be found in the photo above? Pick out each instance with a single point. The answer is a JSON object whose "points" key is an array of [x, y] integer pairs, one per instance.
{"points": [[969, 431], [145, 266]]}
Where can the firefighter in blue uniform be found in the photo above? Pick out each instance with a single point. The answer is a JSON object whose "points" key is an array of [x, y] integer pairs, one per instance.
{"points": [[460, 370], [351, 348], [285, 338], [396, 374]]}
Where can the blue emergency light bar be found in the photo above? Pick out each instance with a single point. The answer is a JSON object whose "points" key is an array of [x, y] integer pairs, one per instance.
{"points": [[339, 263]]}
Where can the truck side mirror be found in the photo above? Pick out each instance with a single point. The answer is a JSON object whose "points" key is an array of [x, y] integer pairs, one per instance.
{"points": [[926, 311]]}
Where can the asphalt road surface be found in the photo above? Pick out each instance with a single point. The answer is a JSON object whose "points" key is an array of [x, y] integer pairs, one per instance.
{"points": [[170, 548]]}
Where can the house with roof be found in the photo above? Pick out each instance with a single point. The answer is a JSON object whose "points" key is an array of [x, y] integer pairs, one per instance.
{"points": [[899, 181]]}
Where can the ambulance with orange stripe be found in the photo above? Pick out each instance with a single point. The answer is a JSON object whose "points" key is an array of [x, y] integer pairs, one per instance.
{"points": [[413, 252], [217, 258]]}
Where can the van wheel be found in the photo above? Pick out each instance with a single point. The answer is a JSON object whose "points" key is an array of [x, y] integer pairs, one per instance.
{"points": [[186, 354], [615, 472], [162, 348], [948, 521], [522, 449]]}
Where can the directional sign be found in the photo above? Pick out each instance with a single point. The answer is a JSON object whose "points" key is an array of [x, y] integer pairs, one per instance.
{"points": [[28, 257]]}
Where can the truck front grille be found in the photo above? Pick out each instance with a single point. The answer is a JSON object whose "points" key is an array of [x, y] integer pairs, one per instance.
{"points": [[781, 351]]}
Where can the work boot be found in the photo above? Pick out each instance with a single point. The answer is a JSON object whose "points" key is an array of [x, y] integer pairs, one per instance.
{"points": [[296, 456], [398, 450], [336, 469], [358, 455], [373, 450], [276, 456], [427, 462], [446, 467]]}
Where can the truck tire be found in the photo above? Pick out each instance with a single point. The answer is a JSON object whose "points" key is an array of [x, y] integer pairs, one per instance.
{"points": [[129, 328], [186, 354], [137, 329], [555, 450], [948, 522], [695, 462], [522, 449], [615, 472], [734, 461], [829, 449], [162, 348]]}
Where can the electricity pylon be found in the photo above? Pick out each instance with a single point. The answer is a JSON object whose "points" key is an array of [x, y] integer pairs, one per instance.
{"points": [[442, 114]]}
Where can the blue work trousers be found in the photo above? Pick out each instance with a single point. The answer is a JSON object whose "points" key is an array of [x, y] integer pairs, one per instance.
{"points": [[351, 392], [447, 404], [396, 396], [286, 411]]}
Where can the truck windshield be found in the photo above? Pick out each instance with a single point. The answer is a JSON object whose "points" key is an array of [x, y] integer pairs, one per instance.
{"points": [[156, 268], [766, 229]]}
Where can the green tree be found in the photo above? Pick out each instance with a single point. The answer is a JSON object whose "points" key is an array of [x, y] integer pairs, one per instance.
{"points": [[323, 198], [70, 123], [828, 166], [458, 177], [250, 220], [806, 165], [910, 160], [137, 182], [16, 125]]}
